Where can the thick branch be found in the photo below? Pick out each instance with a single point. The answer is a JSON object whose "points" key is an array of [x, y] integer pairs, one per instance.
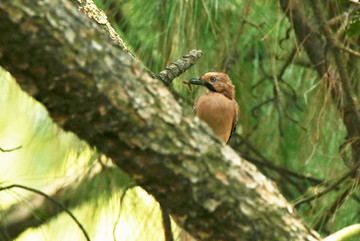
{"points": [[305, 34], [94, 89]]}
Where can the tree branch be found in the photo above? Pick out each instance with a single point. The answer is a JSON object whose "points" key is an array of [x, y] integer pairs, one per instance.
{"points": [[166, 224], [92, 11], [354, 122], [10, 150], [230, 60], [315, 50], [348, 50], [345, 233], [330, 188], [59, 204], [179, 67], [94, 89], [335, 206], [305, 34], [73, 193]]}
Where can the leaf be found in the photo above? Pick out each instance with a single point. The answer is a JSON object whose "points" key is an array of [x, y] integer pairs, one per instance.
{"points": [[354, 27]]}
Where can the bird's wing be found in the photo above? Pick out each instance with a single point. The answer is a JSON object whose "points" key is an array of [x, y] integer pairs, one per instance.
{"points": [[235, 120], [195, 104], [194, 110]]}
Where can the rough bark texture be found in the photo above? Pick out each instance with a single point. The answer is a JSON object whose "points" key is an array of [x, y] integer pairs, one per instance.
{"points": [[94, 89], [179, 67]]}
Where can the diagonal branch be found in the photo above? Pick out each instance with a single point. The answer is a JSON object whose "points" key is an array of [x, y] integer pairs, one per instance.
{"points": [[10, 150], [263, 161], [103, 95], [335, 206], [92, 11], [327, 190], [59, 204], [73, 193], [347, 49], [179, 67]]}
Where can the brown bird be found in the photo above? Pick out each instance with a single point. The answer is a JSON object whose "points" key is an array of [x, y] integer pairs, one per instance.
{"points": [[217, 107]]}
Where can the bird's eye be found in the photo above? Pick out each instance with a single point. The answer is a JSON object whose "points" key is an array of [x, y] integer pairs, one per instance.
{"points": [[212, 79]]}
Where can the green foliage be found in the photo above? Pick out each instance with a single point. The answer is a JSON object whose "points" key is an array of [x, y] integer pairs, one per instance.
{"points": [[354, 27]]}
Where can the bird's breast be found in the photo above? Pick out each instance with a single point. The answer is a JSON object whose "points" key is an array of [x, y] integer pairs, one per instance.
{"points": [[218, 112]]}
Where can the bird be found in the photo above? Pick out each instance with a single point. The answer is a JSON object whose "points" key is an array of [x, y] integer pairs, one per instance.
{"points": [[217, 107]]}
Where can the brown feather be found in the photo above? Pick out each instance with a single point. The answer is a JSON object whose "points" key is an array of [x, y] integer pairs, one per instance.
{"points": [[218, 109], [218, 112]]}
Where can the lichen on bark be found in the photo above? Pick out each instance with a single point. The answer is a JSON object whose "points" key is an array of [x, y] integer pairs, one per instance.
{"points": [[109, 100]]}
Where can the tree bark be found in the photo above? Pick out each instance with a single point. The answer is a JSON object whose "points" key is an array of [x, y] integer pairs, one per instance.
{"points": [[94, 89]]}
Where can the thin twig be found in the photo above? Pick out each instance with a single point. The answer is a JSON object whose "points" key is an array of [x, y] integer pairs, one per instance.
{"points": [[268, 77], [264, 162], [276, 99], [122, 198], [51, 199], [355, 1], [293, 119], [267, 163], [276, 80], [278, 106], [253, 113], [232, 56], [166, 221], [340, 18], [9, 150], [353, 122], [255, 26], [288, 62], [348, 50], [287, 36], [336, 205], [330, 188], [292, 95], [281, 169]]}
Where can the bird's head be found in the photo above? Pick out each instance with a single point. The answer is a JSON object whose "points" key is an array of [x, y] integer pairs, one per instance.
{"points": [[216, 82]]}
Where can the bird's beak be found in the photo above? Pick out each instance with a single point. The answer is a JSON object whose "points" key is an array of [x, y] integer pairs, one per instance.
{"points": [[197, 81]]}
